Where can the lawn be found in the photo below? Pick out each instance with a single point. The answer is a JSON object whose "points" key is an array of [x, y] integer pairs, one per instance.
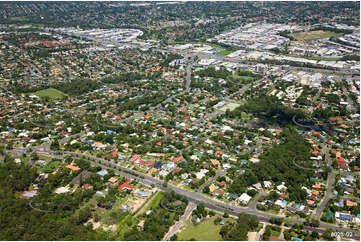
{"points": [[225, 52], [50, 93], [314, 35], [242, 78], [203, 231], [155, 201], [231, 106]]}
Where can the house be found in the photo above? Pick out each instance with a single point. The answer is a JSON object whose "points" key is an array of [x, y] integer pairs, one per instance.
{"points": [[125, 186], [142, 193], [86, 186], [177, 203], [244, 199], [28, 194], [134, 158], [140, 225], [178, 159], [267, 184], [258, 186], [218, 192], [315, 192], [344, 217], [281, 187], [310, 202], [215, 162], [280, 203], [350, 203], [158, 165], [317, 186], [339, 203], [232, 196], [212, 188], [291, 209], [102, 173], [195, 219], [273, 238], [61, 190], [73, 168], [115, 153], [113, 180]]}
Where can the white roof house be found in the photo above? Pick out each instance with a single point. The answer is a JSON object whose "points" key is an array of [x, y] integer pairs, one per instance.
{"points": [[267, 184], [244, 198], [280, 187]]}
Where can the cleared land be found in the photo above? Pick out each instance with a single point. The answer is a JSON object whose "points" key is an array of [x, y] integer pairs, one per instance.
{"points": [[231, 106], [314, 35], [242, 78], [50, 93], [204, 231]]}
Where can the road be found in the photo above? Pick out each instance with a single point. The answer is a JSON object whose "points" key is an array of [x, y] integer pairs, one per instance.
{"points": [[223, 58], [349, 100], [201, 55], [189, 74], [210, 181], [330, 181], [317, 95], [254, 203], [194, 197], [182, 221]]}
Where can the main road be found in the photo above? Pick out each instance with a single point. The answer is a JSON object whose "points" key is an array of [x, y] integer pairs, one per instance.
{"points": [[194, 197]]}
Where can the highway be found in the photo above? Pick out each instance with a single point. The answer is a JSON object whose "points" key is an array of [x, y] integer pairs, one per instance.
{"points": [[194, 197], [223, 58], [201, 55]]}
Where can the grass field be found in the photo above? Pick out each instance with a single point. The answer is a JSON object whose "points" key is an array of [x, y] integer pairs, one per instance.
{"points": [[203, 231], [50, 93], [155, 201], [242, 78], [314, 35], [225, 52], [317, 58], [231, 106]]}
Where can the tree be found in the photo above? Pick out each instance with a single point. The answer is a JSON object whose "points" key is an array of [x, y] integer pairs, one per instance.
{"points": [[55, 145], [225, 215], [206, 190]]}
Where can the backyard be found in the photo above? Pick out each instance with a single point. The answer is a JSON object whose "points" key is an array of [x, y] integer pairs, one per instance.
{"points": [[206, 230]]}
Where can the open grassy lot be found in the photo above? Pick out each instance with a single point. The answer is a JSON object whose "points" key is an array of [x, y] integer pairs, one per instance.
{"points": [[317, 58], [225, 52], [50, 93], [242, 78], [314, 35], [231, 106], [203, 231], [155, 201]]}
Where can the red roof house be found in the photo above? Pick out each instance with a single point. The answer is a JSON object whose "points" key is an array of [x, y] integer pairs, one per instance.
{"points": [[125, 186]]}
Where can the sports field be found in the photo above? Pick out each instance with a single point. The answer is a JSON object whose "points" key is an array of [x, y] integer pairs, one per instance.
{"points": [[51, 93], [314, 35]]}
